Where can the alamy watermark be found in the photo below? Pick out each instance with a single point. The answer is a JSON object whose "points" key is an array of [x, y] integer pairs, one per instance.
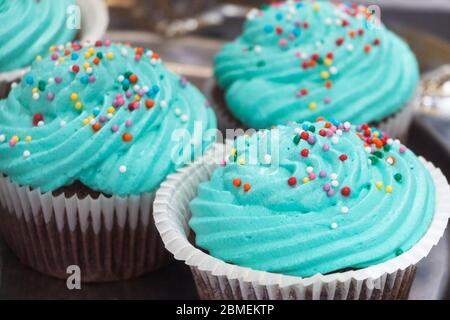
{"points": [[73, 21]]}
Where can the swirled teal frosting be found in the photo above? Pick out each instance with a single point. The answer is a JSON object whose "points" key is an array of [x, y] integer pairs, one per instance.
{"points": [[299, 60], [109, 115], [324, 198], [29, 27]]}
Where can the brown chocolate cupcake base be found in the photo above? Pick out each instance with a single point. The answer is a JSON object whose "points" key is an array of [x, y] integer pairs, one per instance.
{"points": [[108, 238]]}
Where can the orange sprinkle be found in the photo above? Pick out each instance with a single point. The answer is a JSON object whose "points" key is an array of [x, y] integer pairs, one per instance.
{"points": [[237, 182], [247, 187], [96, 126], [127, 137], [149, 103], [96, 61]]}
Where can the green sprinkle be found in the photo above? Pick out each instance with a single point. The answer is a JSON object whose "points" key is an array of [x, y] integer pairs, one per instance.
{"points": [[398, 177], [398, 252], [378, 154], [297, 139], [128, 74], [373, 159], [387, 147], [42, 85], [261, 64], [99, 55], [126, 87], [312, 129]]}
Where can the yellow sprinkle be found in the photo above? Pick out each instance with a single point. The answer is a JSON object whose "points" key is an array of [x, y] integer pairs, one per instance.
{"points": [[312, 106], [91, 50], [35, 90], [86, 65], [87, 55], [305, 180], [38, 58], [109, 55], [85, 122], [111, 110], [61, 59], [233, 152], [241, 161], [376, 134], [325, 74], [52, 48], [15, 138], [389, 189], [74, 97], [328, 62], [379, 184], [316, 7], [28, 138], [137, 97], [78, 105]]}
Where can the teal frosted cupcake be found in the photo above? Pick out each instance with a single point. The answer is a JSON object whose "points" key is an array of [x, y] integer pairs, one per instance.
{"points": [[322, 210], [85, 140], [30, 27], [298, 60]]}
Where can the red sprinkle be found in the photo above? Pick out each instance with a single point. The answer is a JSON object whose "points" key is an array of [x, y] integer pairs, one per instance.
{"points": [[304, 135], [345, 191], [343, 157], [37, 118], [75, 68], [133, 78], [339, 41], [292, 181], [304, 153]]}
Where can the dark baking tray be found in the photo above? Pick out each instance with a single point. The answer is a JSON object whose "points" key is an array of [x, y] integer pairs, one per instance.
{"points": [[191, 56]]}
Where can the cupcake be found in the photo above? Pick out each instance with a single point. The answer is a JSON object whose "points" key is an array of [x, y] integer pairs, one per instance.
{"points": [[31, 26], [321, 210], [85, 140], [298, 60]]}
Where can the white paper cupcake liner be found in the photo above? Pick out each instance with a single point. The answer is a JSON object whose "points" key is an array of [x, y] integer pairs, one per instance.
{"points": [[109, 238], [94, 22], [216, 279], [396, 125]]}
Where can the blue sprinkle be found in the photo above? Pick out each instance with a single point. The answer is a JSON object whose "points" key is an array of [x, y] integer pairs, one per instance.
{"points": [[96, 111], [279, 16], [126, 82], [334, 122], [84, 79], [74, 56], [296, 32], [29, 80], [155, 88], [305, 126], [268, 29]]}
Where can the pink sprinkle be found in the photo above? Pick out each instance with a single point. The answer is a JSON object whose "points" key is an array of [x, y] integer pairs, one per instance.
{"points": [[330, 133], [402, 149], [326, 187], [312, 176], [282, 42], [58, 79], [311, 139], [54, 56], [326, 147], [115, 128], [330, 193], [129, 93], [102, 119], [322, 174], [326, 100], [12, 143], [129, 123], [120, 102], [50, 96], [92, 79], [223, 163], [107, 43]]}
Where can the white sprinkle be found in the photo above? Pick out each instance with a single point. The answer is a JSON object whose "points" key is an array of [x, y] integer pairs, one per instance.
{"points": [[298, 130], [145, 89], [397, 141], [333, 176], [163, 104], [153, 61], [267, 158], [36, 96], [328, 21], [13, 85], [63, 123], [122, 169], [390, 161], [390, 141], [2, 138], [334, 225], [120, 78], [309, 169], [109, 116], [333, 70], [92, 122], [184, 118], [344, 209], [368, 149], [26, 154], [335, 140], [258, 49], [89, 70], [41, 123], [124, 52], [50, 80], [335, 183], [350, 47], [339, 132], [178, 111], [347, 125], [136, 87]]}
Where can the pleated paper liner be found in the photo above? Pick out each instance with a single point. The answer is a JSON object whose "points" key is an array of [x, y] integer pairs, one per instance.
{"points": [[94, 22], [216, 279], [109, 238], [396, 125]]}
